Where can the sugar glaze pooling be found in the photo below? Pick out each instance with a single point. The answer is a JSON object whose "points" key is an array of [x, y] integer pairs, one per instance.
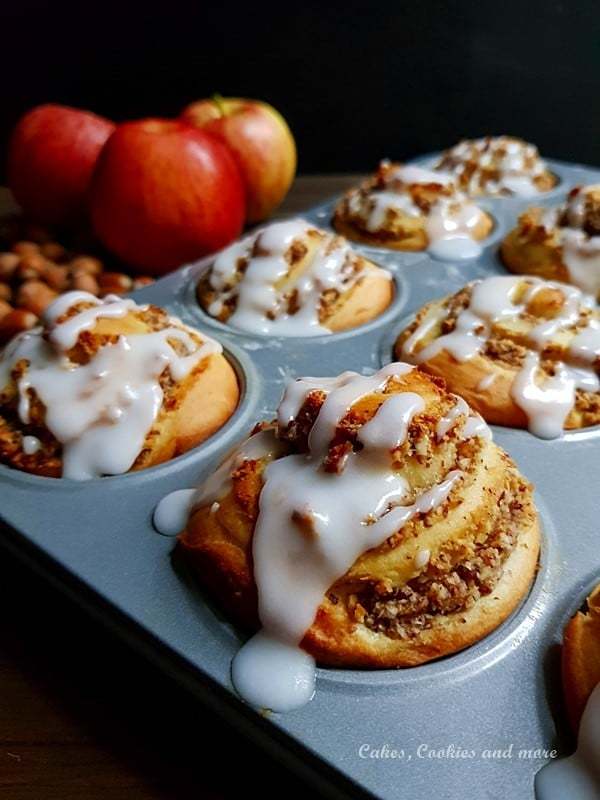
{"points": [[546, 404], [260, 301], [578, 776], [348, 512], [100, 411]]}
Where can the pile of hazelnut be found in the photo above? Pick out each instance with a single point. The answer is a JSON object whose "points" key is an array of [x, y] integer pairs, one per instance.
{"points": [[35, 268]]}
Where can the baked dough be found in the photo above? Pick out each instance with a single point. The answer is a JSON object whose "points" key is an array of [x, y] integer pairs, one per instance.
{"points": [[581, 657], [404, 207], [294, 279], [497, 166], [523, 352], [560, 243], [448, 576], [192, 395]]}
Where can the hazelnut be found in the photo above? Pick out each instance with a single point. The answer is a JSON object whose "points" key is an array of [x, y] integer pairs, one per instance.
{"points": [[5, 308], [5, 292], [16, 321], [35, 296], [141, 281], [53, 251], [85, 282], [8, 264], [31, 266], [114, 283], [87, 264], [24, 248], [56, 276]]}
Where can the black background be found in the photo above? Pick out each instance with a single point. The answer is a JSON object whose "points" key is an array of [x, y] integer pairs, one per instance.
{"points": [[356, 81]]}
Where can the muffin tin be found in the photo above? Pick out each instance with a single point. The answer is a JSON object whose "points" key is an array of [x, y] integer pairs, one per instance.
{"points": [[428, 731]]}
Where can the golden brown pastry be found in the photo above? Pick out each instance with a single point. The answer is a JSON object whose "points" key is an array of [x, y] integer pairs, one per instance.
{"points": [[107, 386], [497, 166], [581, 657], [292, 279], [522, 351], [560, 243], [375, 523], [404, 207]]}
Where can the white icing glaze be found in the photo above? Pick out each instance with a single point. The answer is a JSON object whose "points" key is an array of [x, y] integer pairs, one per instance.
{"points": [[65, 335], [261, 303], [474, 424], [100, 411], [514, 165], [30, 445], [580, 251], [171, 514], [578, 776], [548, 403], [422, 558]]}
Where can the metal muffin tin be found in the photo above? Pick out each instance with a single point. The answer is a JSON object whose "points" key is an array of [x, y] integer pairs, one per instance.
{"points": [[416, 733]]}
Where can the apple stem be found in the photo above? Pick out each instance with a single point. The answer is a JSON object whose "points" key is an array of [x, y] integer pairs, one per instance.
{"points": [[219, 102]]}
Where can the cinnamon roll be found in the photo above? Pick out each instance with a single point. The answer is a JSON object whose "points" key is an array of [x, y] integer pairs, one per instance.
{"points": [[107, 386], [581, 657], [292, 279], [404, 207], [577, 776], [373, 524], [497, 166], [560, 243], [522, 351]]}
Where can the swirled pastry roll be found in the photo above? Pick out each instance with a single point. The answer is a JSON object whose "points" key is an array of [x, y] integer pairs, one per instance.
{"points": [[107, 386], [561, 243], [404, 207], [374, 524], [581, 657], [522, 351], [497, 166], [292, 279]]}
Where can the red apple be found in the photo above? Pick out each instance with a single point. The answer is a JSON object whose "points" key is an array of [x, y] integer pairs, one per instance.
{"points": [[164, 193], [52, 154], [260, 140]]}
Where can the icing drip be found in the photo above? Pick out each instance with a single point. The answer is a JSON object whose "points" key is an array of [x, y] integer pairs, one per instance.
{"points": [[171, 514], [576, 777], [263, 293], [547, 400], [498, 165], [579, 241], [450, 220], [100, 411], [313, 525]]}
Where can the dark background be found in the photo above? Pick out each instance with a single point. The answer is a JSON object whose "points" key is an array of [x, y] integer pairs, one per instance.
{"points": [[356, 81]]}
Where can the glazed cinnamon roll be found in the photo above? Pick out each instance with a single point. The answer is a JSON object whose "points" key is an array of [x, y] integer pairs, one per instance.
{"points": [[405, 207], [581, 657], [373, 524], [577, 776], [522, 351], [560, 243], [497, 166], [107, 386], [292, 279]]}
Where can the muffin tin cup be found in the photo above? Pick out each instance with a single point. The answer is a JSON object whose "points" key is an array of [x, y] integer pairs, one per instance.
{"points": [[98, 537]]}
